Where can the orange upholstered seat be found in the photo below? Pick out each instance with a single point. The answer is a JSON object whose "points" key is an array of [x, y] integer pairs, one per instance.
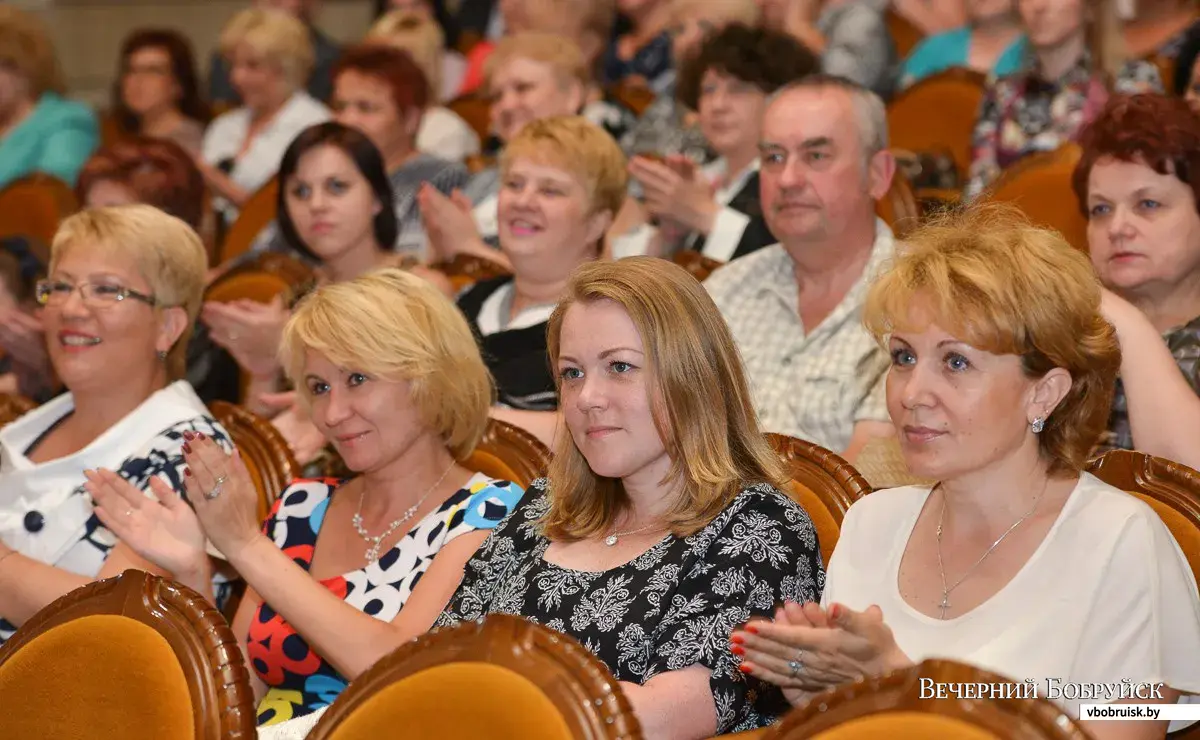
{"points": [[509, 453]]}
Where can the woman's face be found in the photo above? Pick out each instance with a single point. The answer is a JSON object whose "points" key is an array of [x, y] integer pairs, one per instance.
{"points": [[607, 394], [371, 422], [109, 193], [957, 409], [1143, 229], [985, 10], [1051, 23], [100, 344], [147, 82], [524, 90], [365, 102], [546, 218], [731, 112], [331, 204], [258, 82], [1192, 93]]}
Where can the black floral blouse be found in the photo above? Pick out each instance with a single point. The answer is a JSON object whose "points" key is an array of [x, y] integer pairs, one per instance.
{"points": [[671, 607]]}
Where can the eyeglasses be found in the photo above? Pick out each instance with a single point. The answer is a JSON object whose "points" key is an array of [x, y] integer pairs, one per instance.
{"points": [[95, 295]]}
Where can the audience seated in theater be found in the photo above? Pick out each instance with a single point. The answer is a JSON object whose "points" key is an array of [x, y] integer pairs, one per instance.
{"points": [[562, 179], [666, 126], [715, 209], [25, 368], [851, 36], [333, 211], [157, 93], [1139, 183], [325, 51], [1158, 27], [505, 18], [1187, 70], [795, 308], [452, 65], [1075, 60], [933, 16], [1015, 560], [530, 76], [990, 42], [381, 92], [342, 572], [270, 54], [641, 56], [664, 491], [40, 131], [442, 132], [123, 290]]}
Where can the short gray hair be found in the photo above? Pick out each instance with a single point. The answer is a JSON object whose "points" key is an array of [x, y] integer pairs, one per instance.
{"points": [[869, 108]]}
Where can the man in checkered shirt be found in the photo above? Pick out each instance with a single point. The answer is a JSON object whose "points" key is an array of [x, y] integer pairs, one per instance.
{"points": [[795, 308]]}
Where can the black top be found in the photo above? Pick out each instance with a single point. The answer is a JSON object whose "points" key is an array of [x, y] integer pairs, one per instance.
{"points": [[517, 358], [669, 608], [757, 235]]}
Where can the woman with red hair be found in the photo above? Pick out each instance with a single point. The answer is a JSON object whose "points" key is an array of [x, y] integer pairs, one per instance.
{"points": [[1138, 183], [158, 172]]}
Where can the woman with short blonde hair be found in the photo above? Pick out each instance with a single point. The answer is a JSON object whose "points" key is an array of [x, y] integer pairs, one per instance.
{"points": [[1015, 560], [343, 572], [123, 289], [40, 131], [662, 510], [270, 55]]}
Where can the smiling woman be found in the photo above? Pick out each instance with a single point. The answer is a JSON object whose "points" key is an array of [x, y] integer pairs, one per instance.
{"points": [[123, 289]]}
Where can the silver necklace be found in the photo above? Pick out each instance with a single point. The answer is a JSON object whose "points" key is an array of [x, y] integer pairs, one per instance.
{"points": [[612, 538], [945, 603], [375, 542]]}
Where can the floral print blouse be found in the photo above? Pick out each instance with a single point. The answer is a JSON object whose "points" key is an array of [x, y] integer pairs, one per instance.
{"points": [[1022, 114], [669, 608]]}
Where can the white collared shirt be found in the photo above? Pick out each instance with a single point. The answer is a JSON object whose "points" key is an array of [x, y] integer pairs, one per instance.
{"points": [[812, 384], [493, 315]]}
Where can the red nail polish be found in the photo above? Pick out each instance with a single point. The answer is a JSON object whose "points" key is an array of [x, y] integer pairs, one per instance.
{"points": [[187, 450], [745, 668], [188, 435], [737, 639], [187, 472], [738, 650], [200, 435], [751, 629]]}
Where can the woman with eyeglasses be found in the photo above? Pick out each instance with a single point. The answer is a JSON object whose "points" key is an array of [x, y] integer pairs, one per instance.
{"points": [[123, 291]]}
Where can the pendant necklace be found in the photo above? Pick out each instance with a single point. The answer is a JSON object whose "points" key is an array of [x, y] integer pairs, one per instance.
{"points": [[375, 542], [612, 539]]}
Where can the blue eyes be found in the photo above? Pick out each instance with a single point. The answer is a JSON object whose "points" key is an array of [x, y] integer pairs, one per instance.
{"points": [[955, 362], [616, 366], [320, 387]]}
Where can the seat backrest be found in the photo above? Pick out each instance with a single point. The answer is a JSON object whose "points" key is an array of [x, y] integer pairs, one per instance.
{"points": [[261, 279], [1170, 488], [938, 115], [823, 483], [14, 407], [509, 453], [1040, 185], [696, 263], [255, 215], [264, 450], [899, 208], [476, 110], [905, 34], [34, 206], [466, 269], [896, 706], [503, 677], [134, 656]]}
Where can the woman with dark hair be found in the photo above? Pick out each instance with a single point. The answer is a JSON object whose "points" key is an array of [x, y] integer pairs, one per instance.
{"points": [[715, 209], [156, 93], [333, 209]]}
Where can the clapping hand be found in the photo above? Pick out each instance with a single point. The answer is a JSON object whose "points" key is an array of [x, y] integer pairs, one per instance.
{"points": [[222, 493], [675, 189], [448, 221], [248, 330]]}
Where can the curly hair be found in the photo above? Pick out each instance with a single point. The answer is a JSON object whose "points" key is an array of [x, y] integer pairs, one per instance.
{"points": [[1162, 133], [1007, 287], [766, 59]]}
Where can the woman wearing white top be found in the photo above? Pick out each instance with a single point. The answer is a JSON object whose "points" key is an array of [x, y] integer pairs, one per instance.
{"points": [[123, 293], [1015, 560], [715, 209], [270, 55]]}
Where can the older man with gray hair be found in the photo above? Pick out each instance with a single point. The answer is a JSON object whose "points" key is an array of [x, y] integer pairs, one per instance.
{"points": [[795, 307]]}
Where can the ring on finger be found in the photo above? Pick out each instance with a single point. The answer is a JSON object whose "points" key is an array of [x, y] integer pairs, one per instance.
{"points": [[216, 489], [128, 513], [794, 667]]}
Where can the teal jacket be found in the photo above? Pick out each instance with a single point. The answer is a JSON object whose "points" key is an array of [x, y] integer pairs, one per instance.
{"points": [[56, 138]]}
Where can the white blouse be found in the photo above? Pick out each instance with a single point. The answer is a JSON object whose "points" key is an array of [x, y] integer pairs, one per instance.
{"points": [[227, 133], [444, 133], [1108, 595], [45, 513]]}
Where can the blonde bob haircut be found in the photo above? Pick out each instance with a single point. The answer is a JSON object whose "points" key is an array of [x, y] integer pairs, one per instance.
{"points": [[167, 252], [25, 46], [393, 325], [699, 391], [418, 35], [557, 52], [278, 37], [996, 282], [580, 147]]}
